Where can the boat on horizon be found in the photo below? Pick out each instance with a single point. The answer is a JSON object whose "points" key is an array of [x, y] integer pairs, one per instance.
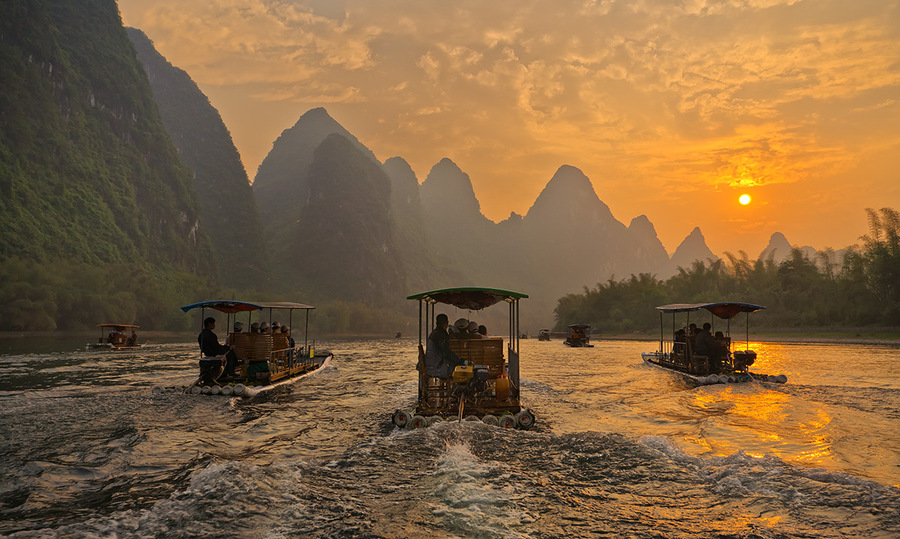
{"points": [[722, 363], [486, 387], [263, 361], [117, 339], [578, 336]]}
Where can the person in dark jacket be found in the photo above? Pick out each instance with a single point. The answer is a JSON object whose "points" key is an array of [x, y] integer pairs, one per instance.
{"points": [[211, 363], [439, 359]]}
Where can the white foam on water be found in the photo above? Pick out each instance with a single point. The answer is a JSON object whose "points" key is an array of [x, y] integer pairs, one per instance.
{"points": [[222, 492], [471, 498]]}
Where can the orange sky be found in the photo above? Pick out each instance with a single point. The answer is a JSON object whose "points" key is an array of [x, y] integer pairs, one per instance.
{"points": [[672, 111]]}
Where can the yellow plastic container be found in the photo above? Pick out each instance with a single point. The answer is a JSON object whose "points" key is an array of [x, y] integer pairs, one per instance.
{"points": [[501, 389], [462, 374]]}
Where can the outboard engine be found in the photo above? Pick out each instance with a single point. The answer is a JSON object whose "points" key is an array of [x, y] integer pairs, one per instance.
{"points": [[743, 359]]}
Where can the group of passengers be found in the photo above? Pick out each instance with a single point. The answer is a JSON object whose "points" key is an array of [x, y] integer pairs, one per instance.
{"points": [[440, 360], [212, 362], [465, 329], [703, 344], [117, 337]]}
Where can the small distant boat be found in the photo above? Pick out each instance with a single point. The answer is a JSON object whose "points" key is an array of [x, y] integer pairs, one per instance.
{"points": [[264, 360], [486, 388], [117, 338], [579, 336], [721, 363], [544, 335]]}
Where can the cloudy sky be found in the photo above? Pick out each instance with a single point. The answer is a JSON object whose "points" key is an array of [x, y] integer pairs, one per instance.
{"points": [[672, 109]]}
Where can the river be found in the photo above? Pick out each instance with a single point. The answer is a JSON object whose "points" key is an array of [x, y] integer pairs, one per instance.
{"points": [[619, 449]]}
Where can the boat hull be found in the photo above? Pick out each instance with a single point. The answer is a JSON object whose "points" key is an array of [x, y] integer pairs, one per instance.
{"points": [[653, 359], [245, 388]]}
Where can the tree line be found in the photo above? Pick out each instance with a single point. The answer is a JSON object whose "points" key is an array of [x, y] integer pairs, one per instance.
{"points": [[861, 289]]}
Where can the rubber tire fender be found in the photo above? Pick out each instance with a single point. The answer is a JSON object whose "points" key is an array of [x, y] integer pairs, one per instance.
{"points": [[401, 419]]}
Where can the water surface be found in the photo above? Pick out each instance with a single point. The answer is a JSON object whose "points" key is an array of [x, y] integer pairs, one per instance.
{"points": [[620, 448]]}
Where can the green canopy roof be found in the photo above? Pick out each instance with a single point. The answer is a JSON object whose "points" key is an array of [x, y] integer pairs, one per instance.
{"points": [[469, 298]]}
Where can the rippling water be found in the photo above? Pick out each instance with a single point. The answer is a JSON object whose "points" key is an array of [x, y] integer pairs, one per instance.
{"points": [[619, 449]]}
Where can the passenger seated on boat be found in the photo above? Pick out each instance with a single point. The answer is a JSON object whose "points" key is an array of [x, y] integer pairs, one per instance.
{"points": [[264, 328], [211, 362], [254, 327], [720, 348], [439, 359], [703, 341], [678, 343], [472, 331], [132, 341], [705, 346], [238, 328], [287, 329], [459, 329], [482, 330]]}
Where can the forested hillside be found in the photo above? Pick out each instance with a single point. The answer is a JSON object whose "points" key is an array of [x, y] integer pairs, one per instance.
{"points": [[204, 143], [798, 292], [94, 200]]}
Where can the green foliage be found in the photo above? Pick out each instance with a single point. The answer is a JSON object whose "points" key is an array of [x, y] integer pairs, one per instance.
{"points": [[68, 295], [798, 292], [98, 217], [87, 171]]}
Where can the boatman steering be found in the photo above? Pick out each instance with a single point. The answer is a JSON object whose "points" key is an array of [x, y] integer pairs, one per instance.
{"points": [[214, 354]]}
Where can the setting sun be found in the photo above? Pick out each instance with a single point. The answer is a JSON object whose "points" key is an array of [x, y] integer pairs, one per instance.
{"points": [[744, 200]]}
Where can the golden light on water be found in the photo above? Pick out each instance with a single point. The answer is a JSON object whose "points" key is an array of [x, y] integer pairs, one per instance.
{"points": [[744, 200], [797, 435]]}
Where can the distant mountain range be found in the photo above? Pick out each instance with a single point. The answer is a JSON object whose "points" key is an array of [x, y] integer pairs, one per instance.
{"points": [[433, 234], [134, 164]]}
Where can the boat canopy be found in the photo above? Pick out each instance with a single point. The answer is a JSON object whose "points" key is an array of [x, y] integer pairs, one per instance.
{"points": [[117, 326], [725, 310], [579, 326], [283, 305], [231, 306], [469, 298], [225, 306]]}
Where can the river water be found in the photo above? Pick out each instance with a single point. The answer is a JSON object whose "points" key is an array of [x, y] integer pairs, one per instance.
{"points": [[620, 449]]}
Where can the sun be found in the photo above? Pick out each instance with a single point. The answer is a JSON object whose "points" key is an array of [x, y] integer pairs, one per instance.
{"points": [[744, 200]]}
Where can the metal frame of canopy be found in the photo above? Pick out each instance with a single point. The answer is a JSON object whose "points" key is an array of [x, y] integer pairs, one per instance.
{"points": [[232, 307], [474, 299], [725, 310]]}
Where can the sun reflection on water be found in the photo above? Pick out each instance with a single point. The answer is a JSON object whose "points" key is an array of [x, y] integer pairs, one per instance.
{"points": [[762, 421]]}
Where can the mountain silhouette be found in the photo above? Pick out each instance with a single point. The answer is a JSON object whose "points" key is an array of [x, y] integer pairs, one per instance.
{"points": [[647, 249], [205, 145], [691, 249], [345, 244], [280, 185]]}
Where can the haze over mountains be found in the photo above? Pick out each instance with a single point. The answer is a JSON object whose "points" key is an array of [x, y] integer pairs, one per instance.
{"points": [[136, 166]]}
